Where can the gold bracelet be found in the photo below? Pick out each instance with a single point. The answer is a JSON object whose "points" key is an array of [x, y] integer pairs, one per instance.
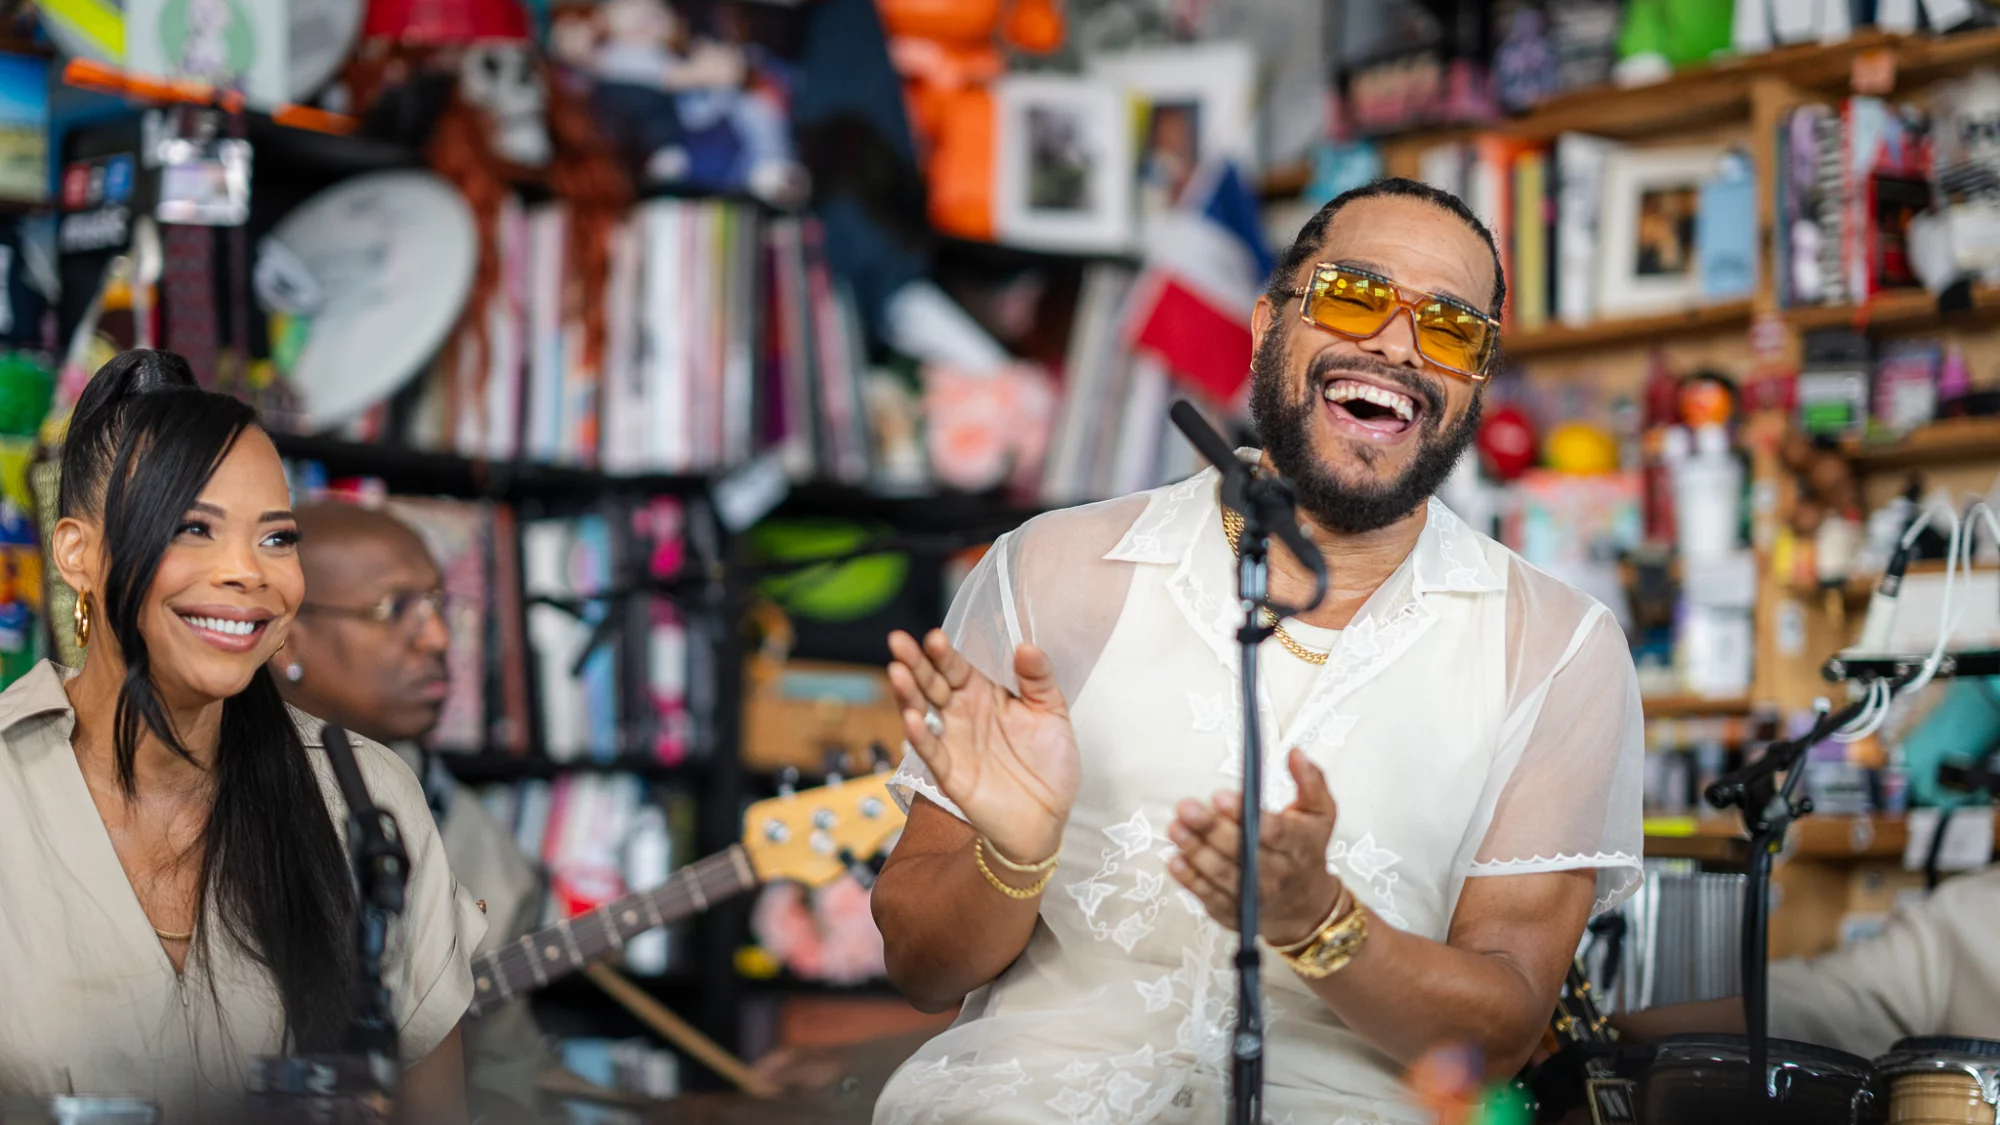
{"points": [[1048, 864], [979, 857], [1332, 948], [1342, 902]]}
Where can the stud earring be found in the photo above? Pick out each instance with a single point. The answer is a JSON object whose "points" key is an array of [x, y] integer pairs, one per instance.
{"points": [[294, 673], [82, 619]]}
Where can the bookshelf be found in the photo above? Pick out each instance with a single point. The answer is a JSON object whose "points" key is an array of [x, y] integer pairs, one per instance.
{"points": [[1743, 102], [1957, 439], [1560, 339]]}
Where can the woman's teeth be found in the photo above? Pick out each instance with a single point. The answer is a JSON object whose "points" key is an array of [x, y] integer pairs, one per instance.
{"points": [[1343, 390], [223, 625]]}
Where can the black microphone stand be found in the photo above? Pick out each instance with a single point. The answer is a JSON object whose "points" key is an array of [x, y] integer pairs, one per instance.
{"points": [[357, 1086], [1769, 808], [1268, 508]]}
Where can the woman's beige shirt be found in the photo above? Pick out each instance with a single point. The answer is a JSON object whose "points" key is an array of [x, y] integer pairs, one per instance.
{"points": [[90, 1003]]}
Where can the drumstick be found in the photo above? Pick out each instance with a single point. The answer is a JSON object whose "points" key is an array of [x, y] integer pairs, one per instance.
{"points": [[85, 74], [677, 1030]]}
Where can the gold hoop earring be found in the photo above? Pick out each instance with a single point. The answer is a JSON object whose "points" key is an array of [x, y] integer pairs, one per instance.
{"points": [[82, 617]]}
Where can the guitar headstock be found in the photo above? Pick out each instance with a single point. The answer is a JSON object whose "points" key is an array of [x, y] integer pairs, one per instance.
{"points": [[1577, 1019], [812, 836]]}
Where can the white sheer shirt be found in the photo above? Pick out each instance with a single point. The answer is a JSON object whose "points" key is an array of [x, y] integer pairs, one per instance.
{"points": [[1476, 718]]}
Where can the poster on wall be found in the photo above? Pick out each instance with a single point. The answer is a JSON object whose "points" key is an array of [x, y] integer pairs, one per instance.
{"points": [[230, 44]]}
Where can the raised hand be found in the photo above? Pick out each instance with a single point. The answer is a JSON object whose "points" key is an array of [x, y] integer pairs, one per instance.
{"points": [[1007, 761], [1297, 889]]}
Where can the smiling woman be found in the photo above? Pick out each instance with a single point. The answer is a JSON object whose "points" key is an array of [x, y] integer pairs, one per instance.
{"points": [[166, 822]]}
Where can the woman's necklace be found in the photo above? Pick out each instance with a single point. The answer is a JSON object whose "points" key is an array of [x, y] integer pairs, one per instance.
{"points": [[165, 936], [1232, 527]]}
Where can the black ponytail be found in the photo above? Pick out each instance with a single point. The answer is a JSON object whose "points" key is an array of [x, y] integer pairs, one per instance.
{"points": [[142, 443]]}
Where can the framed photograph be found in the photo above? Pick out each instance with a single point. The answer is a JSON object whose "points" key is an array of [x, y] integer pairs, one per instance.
{"points": [[1646, 235], [1062, 164], [24, 128], [1187, 105]]}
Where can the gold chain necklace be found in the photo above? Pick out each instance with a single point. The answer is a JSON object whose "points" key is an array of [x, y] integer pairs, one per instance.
{"points": [[1232, 527]]}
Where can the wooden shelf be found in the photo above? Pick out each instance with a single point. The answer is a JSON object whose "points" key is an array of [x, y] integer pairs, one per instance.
{"points": [[1913, 309], [1558, 338], [1691, 706], [1955, 439], [1720, 91], [1817, 839]]}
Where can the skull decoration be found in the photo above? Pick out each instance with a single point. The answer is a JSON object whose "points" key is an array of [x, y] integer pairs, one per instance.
{"points": [[502, 79]]}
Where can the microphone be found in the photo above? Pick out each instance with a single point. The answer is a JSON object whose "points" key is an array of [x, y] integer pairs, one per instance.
{"points": [[373, 837], [1882, 604], [1267, 502]]}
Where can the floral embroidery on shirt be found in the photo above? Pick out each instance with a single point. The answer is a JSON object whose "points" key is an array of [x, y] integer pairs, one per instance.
{"points": [[1369, 864], [1131, 838], [959, 1085]]}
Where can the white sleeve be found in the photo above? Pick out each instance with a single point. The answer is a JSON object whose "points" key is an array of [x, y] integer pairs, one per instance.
{"points": [[984, 626], [1863, 998], [1566, 791]]}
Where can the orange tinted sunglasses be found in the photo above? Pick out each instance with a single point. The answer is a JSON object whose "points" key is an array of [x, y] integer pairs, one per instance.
{"points": [[1357, 304]]}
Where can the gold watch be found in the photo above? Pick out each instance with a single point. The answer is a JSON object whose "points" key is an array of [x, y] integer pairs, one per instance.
{"points": [[1329, 948]]}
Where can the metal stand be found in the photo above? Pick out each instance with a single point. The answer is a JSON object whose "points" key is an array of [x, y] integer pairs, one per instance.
{"points": [[1769, 808], [1268, 508], [357, 1086]]}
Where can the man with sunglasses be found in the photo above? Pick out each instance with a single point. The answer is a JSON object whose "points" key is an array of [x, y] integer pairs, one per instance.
{"points": [[1068, 871], [367, 651]]}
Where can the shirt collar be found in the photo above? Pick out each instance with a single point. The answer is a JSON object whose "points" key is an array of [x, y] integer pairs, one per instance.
{"points": [[1449, 556], [38, 692]]}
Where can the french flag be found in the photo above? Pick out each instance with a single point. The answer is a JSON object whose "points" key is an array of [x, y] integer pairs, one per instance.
{"points": [[1205, 267]]}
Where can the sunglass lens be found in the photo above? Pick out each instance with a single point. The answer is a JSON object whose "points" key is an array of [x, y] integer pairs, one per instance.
{"points": [[1453, 337], [1350, 304]]}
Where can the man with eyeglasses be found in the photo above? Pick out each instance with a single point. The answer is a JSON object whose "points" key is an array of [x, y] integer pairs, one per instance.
{"points": [[367, 651], [1068, 871]]}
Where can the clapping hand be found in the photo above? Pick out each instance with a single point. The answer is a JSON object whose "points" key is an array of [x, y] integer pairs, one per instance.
{"points": [[1297, 889], [1007, 760]]}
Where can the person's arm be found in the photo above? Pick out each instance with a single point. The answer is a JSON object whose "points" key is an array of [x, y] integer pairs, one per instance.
{"points": [[1491, 984], [1008, 763], [945, 929], [433, 1091], [1715, 1016]]}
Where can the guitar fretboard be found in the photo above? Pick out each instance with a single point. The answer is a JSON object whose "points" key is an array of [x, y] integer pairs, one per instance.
{"points": [[550, 954]]}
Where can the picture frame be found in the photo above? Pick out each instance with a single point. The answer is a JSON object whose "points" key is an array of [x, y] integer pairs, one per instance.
{"points": [[1062, 165], [1188, 105], [1647, 261]]}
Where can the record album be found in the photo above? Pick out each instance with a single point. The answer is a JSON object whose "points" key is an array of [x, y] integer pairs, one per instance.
{"points": [[387, 259]]}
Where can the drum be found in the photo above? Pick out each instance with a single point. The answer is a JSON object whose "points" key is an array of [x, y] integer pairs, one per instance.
{"points": [[1942, 1081], [73, 1110], [1705, 1080]]}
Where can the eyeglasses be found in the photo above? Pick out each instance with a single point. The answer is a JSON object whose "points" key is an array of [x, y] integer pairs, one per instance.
{"points": [[1355, 303], [407, 608]]}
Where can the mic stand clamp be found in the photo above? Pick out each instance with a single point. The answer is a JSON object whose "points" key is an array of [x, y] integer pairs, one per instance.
{"points": [[357, 1086]]}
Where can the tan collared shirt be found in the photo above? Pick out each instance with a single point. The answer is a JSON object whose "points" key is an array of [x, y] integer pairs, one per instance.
{"points": [[90, 1003]]}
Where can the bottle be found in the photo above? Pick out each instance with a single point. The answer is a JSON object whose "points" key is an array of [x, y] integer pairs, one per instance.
{"points": [[1708, 495]]}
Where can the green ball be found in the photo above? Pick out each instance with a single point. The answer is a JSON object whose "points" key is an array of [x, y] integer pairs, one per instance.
{"points": [[847, 590]]}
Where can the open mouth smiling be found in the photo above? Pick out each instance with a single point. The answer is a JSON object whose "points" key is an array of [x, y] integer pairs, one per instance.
{"points": [[1370, 411]]}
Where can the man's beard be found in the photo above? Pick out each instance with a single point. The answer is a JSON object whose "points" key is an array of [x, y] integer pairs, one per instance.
{"points": [[1286, 429]]}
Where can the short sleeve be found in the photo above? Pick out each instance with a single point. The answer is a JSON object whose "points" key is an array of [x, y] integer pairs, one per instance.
{"points": [[428, 969], [1863, 998], [1048, 584], [1566, 790]]}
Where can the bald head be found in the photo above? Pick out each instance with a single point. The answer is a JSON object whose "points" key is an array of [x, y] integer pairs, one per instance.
{"points": [[383, 676], [339, 543]]}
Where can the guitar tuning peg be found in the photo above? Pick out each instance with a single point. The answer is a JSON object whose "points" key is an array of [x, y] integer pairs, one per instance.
{"points": [[835, 757], [788, 781], [878, 757], [863, 874]]}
